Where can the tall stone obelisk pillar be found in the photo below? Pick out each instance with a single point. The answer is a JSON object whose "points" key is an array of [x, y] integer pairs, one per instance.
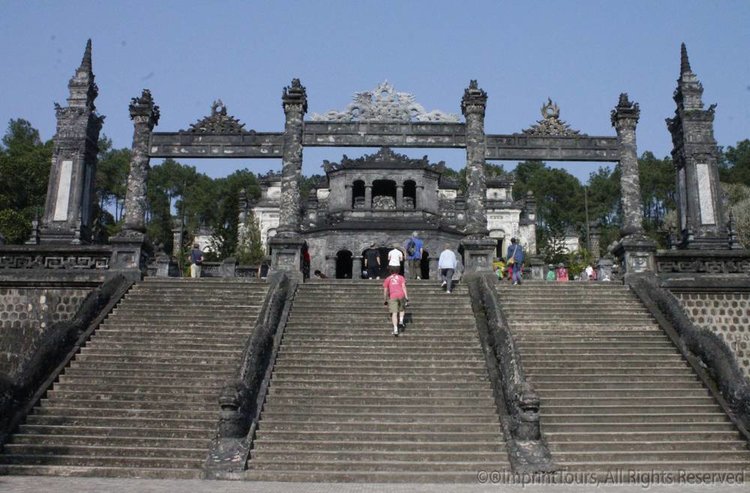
{"points": [[68, 212]]}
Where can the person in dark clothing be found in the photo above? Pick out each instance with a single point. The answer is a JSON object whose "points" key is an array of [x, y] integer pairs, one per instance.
{"points": [[372, 262], [515, 258], [196, 259]]}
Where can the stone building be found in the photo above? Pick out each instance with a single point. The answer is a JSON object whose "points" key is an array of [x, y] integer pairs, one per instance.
{"points": [[382, 198]]}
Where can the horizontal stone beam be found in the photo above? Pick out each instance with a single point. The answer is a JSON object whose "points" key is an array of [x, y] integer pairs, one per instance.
{"points": [[549, 148], [378, 134], [196, 145]]}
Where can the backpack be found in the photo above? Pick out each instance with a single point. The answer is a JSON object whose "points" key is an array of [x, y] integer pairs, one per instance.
{"points": [[411, 248]]}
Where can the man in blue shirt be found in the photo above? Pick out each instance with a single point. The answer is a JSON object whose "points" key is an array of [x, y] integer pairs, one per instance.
{"points": [[515, 258], [414, 256]]}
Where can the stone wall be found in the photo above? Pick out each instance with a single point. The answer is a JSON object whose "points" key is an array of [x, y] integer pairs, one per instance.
{"points": [[25, 316], [727, 314]]}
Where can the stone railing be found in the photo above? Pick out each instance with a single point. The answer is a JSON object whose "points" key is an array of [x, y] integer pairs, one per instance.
{"points": [[55, 257], [676, 262], [19, 393], [706, 352], [242, 398], [515, 397]]}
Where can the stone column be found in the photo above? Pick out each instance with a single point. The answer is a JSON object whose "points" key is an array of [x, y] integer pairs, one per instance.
{"points": [[473, 107], [368, 196], [349, 197], [478, 248], [145, 115], [624, 119], [399, 196], [595, 241], [357, 267], [287, 245], [68, 212], [294, 101], [130, 248]]}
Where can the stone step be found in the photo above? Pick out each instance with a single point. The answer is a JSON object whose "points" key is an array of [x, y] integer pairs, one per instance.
{"points": [[635, 409], [655, 399], [326, 400], [113, 364], [270, 418], [301, 337], [581, 328], [548, 418], [139, 431], [403, 348], [160, 306], [185, 317], [183, 389], [105, 451], [369, 328], [593, 356], [382, 392], [100, 472], [113, 442], [102, 461], [147, 345], [354, 365], [665, 391], [639, 436], [105, 402], [586, 372], [375, 409], [410, 436], [677, 468], [650, 446], [683, 376], [169, 338], [347, 456], [135, 396], [369, 380], [79, 372], [658, 456], [540, 348], [136, 380], [123, 422], [220, 361], [371, 477], [574, 385], [263, 444], [674, 427], [385, 465], [73, 409], [148, 350], [603, 364], [650, 336]]}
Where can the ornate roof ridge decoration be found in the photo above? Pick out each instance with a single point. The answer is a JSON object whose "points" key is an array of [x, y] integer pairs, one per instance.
{"points": [[385, 104], [384, 155], [219, 122], [268, 177], [550, 124]]}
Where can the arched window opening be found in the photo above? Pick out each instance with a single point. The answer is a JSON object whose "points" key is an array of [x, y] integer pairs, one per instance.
{"points": [[410, 194], [358, 195], [384, 194]]}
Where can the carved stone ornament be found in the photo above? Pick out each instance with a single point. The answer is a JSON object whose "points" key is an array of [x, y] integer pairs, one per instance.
{"points": [[385, 104], [384, 156], [219, 122], [550, 124]]}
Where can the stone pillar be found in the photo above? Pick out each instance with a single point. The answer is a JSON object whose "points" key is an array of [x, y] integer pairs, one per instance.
{"points": [[473, 106], [701, 215], [434, 271], [349, 197], [357, 267], [594, 239], [368, 196], [399, 196], [294, 101], [624, 119], [130, 248], [145, 115], [330, 266], [68, 212]]}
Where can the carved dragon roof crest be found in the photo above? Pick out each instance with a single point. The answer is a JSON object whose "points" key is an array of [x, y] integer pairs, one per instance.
{"points": [[385, 104], [219, 122], [550, 124]]}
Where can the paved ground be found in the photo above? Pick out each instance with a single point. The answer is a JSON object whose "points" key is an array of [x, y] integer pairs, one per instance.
{"points": [[32, 484]]}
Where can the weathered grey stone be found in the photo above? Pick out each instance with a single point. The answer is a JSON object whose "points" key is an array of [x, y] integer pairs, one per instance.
{"points": [[702, 219], [145, 114], [295, 106], [68, 212], [624, 119], [473, 107]]}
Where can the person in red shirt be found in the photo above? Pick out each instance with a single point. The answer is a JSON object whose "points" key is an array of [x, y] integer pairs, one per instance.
{"points": [[396, 297]]}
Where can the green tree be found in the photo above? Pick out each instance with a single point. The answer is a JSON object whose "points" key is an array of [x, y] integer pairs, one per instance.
{"points": [[225, 224], [735, 163], [24, 172], [658, 190]]}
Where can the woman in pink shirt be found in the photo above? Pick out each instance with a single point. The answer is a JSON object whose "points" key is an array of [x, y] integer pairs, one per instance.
{"points": [[396, 297]]}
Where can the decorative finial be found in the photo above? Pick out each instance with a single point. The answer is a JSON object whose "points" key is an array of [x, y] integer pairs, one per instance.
{"points": [[684, 61], [86, 61]]}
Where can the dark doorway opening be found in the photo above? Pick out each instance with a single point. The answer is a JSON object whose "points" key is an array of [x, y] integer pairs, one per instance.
{"points": [[343, 264], [424, 265]]}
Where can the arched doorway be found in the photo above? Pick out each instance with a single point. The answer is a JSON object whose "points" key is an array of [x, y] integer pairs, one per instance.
{"points": [[343, 264], [424, 264]]}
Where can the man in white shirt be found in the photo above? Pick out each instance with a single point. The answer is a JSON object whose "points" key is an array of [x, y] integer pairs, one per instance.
{"points": [[447, 265], [395, 256]]}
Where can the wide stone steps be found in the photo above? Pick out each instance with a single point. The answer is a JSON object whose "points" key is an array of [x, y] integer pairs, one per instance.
{"points": [[140, 399], [615, 393], [349, 402]]}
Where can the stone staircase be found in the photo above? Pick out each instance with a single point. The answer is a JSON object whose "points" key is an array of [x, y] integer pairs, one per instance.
{"points": [[140, 399], [350, 402], [616, 394]]}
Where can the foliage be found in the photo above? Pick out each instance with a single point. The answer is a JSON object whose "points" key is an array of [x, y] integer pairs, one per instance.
{"points": [[735, 165], [249, 247], [738, 198], [225, 225], [24, 171]]}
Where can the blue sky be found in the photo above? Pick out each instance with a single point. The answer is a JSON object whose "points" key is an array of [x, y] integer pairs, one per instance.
{"points": [[581, 54]]}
